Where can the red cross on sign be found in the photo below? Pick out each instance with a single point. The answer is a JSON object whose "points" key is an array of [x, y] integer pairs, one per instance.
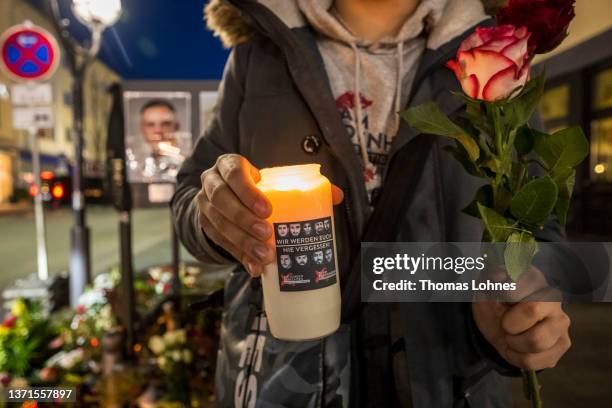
{"points": [[29, 53]]}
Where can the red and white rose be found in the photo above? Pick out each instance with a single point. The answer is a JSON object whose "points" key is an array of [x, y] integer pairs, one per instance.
{"points": [[493, 63]]}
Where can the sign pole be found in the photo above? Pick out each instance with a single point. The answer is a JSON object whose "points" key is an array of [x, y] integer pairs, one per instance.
{"points": [[127, 279], [121, 198], [41, 244], [30, 54], [80, 266]]}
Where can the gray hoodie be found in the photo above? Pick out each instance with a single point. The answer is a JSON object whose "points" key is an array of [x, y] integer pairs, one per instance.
{"points": [[370, 81]]}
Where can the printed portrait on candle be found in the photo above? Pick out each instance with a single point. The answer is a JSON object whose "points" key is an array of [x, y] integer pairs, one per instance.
{"points": [[307, 228], [301, 259], [295, 229], [318, 257], [285, 261], [319, 227], [282, 230]]}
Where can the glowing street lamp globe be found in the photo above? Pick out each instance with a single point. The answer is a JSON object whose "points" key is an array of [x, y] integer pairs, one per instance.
{"points": [[97, 12]]}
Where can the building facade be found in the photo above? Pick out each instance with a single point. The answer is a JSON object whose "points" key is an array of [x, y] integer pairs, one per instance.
{"points": [[55, 144], [579, 93]]}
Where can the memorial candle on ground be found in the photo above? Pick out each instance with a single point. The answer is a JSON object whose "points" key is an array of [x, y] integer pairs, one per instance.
{"points": [[301, 287]]}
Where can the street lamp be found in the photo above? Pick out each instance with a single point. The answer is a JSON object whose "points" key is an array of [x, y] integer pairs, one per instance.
{"points": [[96, 15], [103, 13]]}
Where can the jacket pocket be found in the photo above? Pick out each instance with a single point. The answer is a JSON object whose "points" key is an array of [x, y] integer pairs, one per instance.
{"points": [[490, 391]]}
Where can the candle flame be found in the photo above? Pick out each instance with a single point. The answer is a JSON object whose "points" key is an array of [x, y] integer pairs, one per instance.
{"points": [[286, 178]]}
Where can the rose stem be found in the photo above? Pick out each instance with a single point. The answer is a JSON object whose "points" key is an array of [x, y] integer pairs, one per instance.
{"points": [[532, 378]]}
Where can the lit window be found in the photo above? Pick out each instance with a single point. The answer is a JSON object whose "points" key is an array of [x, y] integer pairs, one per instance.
{"points": [[555, 103], [601, 150], [602, 92]]}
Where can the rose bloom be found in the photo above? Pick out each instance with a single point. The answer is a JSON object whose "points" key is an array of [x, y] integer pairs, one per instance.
{"points": [[9, 321], [493, 62], [546, 20], [5, 378], [57, 342], [48, 374]]}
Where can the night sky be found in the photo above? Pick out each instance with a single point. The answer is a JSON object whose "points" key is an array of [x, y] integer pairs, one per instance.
{"points": [[158, 39]]}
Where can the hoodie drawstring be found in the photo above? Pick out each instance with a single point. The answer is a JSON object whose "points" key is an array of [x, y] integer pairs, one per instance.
{"points": [[358, 113], [398, 87]]}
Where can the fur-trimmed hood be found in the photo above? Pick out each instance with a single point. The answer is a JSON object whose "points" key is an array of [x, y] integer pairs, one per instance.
{"points": [[229, 24]]}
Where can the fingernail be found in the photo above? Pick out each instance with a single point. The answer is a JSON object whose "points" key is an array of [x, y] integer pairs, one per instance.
{"points": [[260, 251], [261, 207], [261, 230], [251, 267]]}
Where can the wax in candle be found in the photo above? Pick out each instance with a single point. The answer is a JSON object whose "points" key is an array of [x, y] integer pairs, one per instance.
{"points": [[301, 288]]}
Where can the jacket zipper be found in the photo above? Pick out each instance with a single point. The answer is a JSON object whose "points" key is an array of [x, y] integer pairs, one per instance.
{"points": [[252, 359]]}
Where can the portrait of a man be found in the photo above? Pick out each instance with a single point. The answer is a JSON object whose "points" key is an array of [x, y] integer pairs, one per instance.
{"points": [[282, 230], [295, 229], [158, 134], [301, 259], [317, 257], [285, 261]]}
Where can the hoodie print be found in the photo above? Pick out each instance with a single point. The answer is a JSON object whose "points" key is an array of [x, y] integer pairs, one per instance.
{"points": [[370, 81], [377, 144]]}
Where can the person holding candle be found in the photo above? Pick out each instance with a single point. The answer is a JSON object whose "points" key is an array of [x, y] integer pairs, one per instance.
{"points": [[321, 82]]}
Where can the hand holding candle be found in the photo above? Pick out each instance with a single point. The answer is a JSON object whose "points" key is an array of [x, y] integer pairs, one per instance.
{"points": [[233, 211]]}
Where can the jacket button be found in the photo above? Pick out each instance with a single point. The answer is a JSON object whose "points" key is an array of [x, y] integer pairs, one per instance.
{"points": [[311, 144]]}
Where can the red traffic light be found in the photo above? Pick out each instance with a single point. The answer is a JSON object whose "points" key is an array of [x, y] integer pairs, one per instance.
{"points": [[58, 191]]}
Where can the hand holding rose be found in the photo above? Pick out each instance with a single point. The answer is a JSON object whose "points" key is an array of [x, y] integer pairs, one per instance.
{"points": [[531, 335]]}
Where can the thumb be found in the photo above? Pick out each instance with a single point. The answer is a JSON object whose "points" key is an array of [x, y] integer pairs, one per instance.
{"points": [[337, 194]]}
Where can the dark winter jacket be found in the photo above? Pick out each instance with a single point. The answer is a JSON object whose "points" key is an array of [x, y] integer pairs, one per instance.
{"points": [[274, 102]]}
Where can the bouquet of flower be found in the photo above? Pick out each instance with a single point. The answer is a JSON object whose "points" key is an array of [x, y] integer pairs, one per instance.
{"points": [[493, 137], [173, 356], [24, 334]]}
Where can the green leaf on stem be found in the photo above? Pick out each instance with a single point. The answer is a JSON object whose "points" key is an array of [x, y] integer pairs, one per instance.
{"points": [[564, 149], [561, 210], [478, 116], [518, 110], [525, 140], [428, 118], [520, 249], [565, 180], [484, 145], [493, 163], [503, 198], [497, 227], [534, 202]]}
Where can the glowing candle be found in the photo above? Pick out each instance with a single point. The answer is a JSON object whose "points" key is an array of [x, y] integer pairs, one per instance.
{"points": [[301, 288]]}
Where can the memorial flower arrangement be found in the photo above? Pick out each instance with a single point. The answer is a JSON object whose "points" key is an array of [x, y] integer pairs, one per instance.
{"points": [[493, 137], [23, 336], [74, 347]]}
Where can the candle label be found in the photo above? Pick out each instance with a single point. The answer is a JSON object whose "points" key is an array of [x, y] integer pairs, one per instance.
{"points": [[305, 254]]}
